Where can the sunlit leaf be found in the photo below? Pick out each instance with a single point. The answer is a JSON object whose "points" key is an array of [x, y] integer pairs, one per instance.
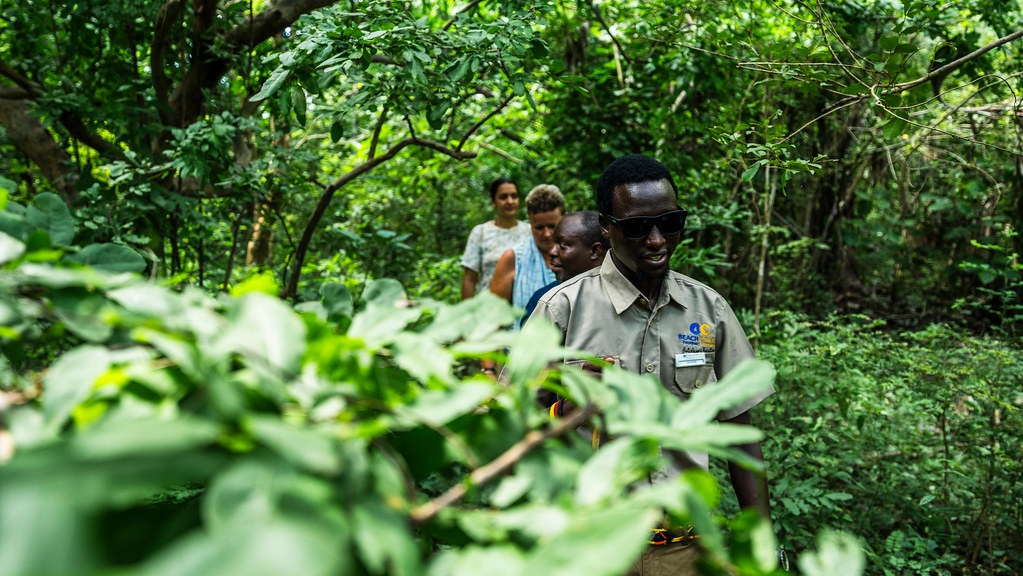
{"points": [[438, 407], [265, 329], [613, 538], [70, 380], [750, 172], [837, 554], [143, 438], [276, 79], [748, 380], [506, 560], [10, 248]]}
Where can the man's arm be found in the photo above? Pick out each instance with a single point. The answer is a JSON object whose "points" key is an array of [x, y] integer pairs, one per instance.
{"points": [[504, 276], [469, 279], [750, 487]]}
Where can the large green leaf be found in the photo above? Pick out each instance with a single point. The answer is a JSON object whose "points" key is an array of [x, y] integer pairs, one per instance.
{"points": [[438, 407], [13, 223], [305, 447], [66, 277], [264, 329], [379, 325], [149, 300], [384, 292], [48, 212], [276, 548], [747, 380], [616, 465], [384, 540], [181, 351], [110, 258], [473, 320], [710, 436], [10, 248], [533, 349], [837, 555], [70, 381], [84, 313], [277, 78], [423, 359], [506, 560], [601, 543], [40, 537], [150, 438], [337, 299]]}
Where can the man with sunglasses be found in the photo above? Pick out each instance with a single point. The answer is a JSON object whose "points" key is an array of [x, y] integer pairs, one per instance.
{"points": [[638, 314]]}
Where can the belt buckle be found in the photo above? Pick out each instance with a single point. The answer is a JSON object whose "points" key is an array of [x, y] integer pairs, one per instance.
{"points": [[662, 536]]}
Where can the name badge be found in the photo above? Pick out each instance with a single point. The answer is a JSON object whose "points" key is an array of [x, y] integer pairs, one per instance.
{"points": [[690, 359]]}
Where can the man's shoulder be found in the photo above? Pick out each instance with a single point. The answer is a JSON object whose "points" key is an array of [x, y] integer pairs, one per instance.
{"points": [[573, 286], [689, 283]]}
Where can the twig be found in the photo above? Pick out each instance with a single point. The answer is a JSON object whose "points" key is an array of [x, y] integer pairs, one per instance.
{"points": [[376, 130], [482, 121], [461, 10], [501, 464]]}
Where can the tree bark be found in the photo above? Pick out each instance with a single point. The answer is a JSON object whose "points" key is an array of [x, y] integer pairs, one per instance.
{"points": [[35, 141]]}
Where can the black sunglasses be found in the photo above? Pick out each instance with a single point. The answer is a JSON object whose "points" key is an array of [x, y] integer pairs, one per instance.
{"points": [[639, 227]]}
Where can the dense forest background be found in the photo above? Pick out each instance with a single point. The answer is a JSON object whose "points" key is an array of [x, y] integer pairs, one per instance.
{"points": [[853, 172]]}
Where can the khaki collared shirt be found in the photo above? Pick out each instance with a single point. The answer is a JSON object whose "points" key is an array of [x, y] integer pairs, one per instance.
{"points": [[688, 339]]}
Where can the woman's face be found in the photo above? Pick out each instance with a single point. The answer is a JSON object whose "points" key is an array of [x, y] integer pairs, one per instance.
{"points": [[542, 224], [506, 200]]}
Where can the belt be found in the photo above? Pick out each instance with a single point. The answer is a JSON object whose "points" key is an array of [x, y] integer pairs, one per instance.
{"points": [[664, 536]]}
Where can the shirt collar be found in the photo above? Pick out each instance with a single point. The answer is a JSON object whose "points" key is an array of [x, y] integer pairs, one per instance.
{"points": [[622, 293]]}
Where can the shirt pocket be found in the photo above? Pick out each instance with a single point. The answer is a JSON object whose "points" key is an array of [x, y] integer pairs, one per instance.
{"points": [[689, 377]]}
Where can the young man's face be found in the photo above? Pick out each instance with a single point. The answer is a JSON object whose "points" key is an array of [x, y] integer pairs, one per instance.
{"points": [[542, 224], [570, 254], [647, 258]]}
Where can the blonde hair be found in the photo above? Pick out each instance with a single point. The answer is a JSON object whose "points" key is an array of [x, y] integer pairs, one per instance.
{"points": [[544, 198]]}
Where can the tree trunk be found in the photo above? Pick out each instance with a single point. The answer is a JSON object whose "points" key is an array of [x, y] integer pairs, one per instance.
{"points": [[36, 142]]}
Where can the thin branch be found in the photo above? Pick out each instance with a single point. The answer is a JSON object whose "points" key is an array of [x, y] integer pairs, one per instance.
{"points": [[461, 10], [947, 68], [81, 132], [501, 464], [483, 121], [501, 153], [452, 152], [271, 22], [600, 20], [14, 93], [27, 85], [897, 88], [378, 128], [328, 193], [411, 128]]}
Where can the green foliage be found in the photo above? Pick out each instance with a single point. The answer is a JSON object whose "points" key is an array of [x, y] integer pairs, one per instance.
{"points": [[911, 442], [1001, 275], [218, 435]]}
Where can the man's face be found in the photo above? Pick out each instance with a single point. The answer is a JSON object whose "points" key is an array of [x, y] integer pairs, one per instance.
{"points": [[646, 259], [542, 224], [570, 254], [506, 200]]}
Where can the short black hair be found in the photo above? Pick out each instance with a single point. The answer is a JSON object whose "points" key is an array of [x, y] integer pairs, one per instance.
{"points": [[590, 221], [497, 184], [631, 169]]}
